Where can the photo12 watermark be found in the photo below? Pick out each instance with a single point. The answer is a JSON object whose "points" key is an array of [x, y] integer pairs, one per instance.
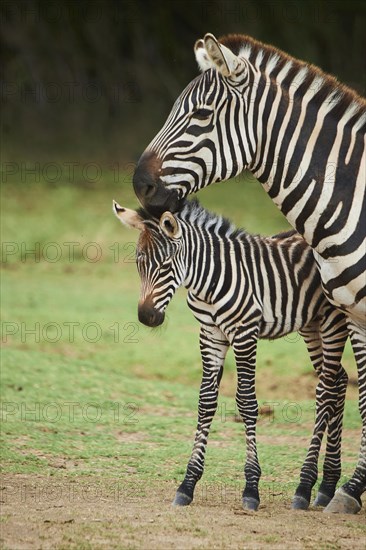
{"points": [[67, 251], [289, 412], [69, 331], [53, 492], [67, 172], [70, 412]]}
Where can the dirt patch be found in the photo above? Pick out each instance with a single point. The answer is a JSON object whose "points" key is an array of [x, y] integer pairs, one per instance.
{"points": [[40, 512]]}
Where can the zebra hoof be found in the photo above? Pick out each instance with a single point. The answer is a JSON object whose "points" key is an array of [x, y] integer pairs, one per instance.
{"points": [[299, 503], [182, 500], [250, 503], [342, 503], [322, 500]]}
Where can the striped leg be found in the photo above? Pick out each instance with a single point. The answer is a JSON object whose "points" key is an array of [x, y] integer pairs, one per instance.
{"points": [[325, 342], [213, 346], [347, 499], [245, 347], [332, 460]]}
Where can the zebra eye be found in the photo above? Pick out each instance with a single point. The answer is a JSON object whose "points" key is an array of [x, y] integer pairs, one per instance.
{"points": [[202, 114]]}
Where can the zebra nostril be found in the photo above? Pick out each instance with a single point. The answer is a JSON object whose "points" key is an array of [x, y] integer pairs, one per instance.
{"points": [[149, 191]]}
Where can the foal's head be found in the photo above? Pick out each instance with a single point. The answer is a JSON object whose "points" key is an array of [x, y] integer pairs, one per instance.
{"points": [[158, 258]]}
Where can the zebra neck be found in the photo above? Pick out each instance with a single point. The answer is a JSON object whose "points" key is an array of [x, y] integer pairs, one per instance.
{"points": [[209, 261], [298, 144]]}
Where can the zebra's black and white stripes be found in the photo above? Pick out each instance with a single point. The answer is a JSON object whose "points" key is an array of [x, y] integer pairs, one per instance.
{"points": [[241, 288], [302, 134], [299, 131]]}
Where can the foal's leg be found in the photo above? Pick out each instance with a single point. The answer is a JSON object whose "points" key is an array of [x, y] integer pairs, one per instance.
{"points": [[325, 342], [347, 499], [213, 346], [245, 347]]}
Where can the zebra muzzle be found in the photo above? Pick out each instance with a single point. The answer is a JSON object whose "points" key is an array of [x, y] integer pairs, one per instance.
{"points": [[150, 316], [150, 190]]}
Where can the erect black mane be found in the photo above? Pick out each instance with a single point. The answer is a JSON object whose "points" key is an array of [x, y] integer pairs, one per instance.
{"points": [[192, 212], [195, 214]]}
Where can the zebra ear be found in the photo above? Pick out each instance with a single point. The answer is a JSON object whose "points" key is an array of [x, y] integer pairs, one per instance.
{"points": [[169, 225], [128, 217], [202, 58], [211, 54]]}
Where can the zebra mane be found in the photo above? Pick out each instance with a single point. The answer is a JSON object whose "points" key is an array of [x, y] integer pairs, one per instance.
{"points": [[271, 60], [196, 215]]}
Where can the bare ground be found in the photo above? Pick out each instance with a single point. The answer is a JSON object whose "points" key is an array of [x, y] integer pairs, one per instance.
{"points": [[40, 512], [69, 511]]}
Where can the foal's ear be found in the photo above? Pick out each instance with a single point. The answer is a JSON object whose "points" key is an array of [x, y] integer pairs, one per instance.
{"points": [[170, 226], [210, 54], [128, 217]]}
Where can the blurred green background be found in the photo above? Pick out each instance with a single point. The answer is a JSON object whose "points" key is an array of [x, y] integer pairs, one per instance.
{"points": [[85, 87]]}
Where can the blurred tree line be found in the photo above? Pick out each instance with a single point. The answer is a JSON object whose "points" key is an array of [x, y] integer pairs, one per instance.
{"points": [[99, 77]]}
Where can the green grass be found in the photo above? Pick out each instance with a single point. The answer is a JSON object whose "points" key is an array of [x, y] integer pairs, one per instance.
{"points": [[87, 390]]}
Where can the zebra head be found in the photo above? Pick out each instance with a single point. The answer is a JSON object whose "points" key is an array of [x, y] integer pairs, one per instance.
{"points": [[158, 258], [199, 143]]}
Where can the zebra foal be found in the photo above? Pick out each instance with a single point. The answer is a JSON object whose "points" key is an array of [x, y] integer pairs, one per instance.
{"points": [[241, 288]]}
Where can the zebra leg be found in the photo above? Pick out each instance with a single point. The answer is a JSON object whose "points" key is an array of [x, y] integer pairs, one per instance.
{"points": [[347, 499], [245, 348], [325, 342], [309, 470], [332, 460], [214, 346]]}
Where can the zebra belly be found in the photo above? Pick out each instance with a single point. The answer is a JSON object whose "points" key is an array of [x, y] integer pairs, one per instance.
{"points": [[275, 324], [276, 328]]}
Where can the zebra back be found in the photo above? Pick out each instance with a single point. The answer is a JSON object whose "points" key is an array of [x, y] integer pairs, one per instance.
{"points": [[231, 270]]}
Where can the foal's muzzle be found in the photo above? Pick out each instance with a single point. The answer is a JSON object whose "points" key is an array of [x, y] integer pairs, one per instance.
{"points": [[150, 316]]}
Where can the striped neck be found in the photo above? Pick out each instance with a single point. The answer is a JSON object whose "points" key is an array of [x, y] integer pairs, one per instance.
{"points": [[207, 239]]}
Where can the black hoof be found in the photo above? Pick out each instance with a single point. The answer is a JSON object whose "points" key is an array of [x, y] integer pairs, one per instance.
{"points": [[182, 500], [299, 503], [342, 503], [250, 503], [322, 500]]}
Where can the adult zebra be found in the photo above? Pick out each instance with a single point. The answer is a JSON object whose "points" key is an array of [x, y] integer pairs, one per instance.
{"points": [[302, 134], [242, 288]]}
